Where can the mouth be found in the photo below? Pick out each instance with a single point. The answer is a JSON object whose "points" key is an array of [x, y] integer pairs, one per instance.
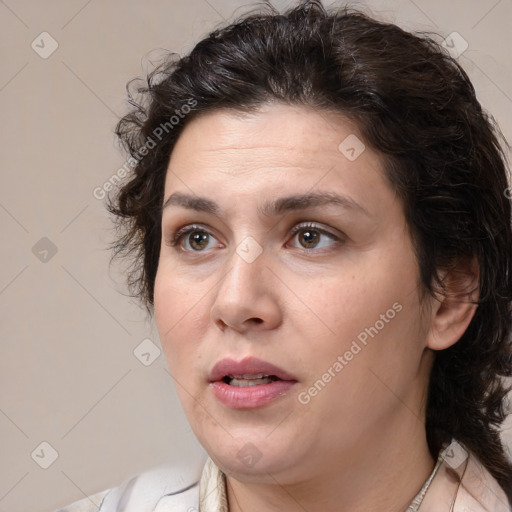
{"points": [[250, 371], [242, 381], [250, 383]]}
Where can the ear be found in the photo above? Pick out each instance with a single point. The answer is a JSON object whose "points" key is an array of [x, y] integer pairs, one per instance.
{"points": [[454, 306]]}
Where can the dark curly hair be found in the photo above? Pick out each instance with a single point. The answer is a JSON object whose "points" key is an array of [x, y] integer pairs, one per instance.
{"points": [[443, 155]]}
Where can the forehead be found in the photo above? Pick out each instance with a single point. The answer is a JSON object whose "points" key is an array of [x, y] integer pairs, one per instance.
{"points": [[297, 134], [223, 153]]}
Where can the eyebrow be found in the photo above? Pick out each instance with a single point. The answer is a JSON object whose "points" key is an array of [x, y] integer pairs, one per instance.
{"points": [[272, 208]]}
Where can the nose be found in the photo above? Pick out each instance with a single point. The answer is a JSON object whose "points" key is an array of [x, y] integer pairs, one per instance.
{"points": [[246, 297]]}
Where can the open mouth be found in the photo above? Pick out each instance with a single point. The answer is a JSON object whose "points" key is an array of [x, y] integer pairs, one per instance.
{"points": [[249, 380], [249, 383]]}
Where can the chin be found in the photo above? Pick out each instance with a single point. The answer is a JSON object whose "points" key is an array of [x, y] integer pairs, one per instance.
{"points": [[251, 457]]}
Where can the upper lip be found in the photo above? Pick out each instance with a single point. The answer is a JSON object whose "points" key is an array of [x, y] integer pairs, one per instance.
{"points": [[247, 366]]}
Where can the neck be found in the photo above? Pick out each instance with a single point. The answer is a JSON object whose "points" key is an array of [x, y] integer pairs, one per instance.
{"points": [[357, 480]]}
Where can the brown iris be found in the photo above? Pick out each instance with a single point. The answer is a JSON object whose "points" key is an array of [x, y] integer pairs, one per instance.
{"points": [[310, 237], [200, 238]]}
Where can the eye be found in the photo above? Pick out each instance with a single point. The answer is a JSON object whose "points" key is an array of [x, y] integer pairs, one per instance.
{"points": [[310, 236], [198, 239], [192, 239]]}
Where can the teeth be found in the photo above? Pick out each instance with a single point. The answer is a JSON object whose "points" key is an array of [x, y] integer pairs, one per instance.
{"points": [[250, 381], [251, 376]]}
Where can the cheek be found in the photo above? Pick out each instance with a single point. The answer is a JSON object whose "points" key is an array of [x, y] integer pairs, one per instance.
{"points": [[375, 304], [345, 305], [180, 320], [177, 299]]}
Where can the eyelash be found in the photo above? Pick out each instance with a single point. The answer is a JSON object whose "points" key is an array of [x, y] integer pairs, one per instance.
{"points": [[181, 233]]}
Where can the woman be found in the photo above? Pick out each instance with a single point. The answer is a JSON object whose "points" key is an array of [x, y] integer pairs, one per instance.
{"points": [[320, 223]]}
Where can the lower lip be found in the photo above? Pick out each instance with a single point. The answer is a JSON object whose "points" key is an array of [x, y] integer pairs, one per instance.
{"points": [[250, 397]]}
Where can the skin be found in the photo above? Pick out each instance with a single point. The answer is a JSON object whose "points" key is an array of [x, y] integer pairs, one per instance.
{"points": [[300, 306]]}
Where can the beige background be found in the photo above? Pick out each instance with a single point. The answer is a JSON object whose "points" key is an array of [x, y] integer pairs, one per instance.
{"points": [[69, 376]]}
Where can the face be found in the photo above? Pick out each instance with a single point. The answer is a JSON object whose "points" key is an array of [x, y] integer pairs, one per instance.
{"points": [[282, 245]]}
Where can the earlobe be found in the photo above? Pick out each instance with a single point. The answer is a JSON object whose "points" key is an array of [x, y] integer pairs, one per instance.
{"points": [[454, 306]]}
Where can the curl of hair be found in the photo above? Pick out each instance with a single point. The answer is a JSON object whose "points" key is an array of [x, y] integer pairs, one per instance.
{"points": [[413, 104]]}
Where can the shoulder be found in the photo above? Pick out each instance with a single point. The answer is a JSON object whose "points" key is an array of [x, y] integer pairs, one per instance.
{"points": [[463, 484], [163, 488], [479, 490]]}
